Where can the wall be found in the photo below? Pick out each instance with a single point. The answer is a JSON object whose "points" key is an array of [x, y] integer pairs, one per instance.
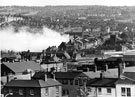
{"points": [[118, 89], [26, 92], [94, 92], [51, 92]]}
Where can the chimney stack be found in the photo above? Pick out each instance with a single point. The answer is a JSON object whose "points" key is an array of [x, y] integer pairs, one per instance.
{"points": [[105, 67], [102, 74], [54, 76], [95, 68], [45, 77], [120, 67]]}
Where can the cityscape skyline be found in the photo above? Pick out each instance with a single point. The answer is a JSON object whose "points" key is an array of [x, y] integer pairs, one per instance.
{"points": [[66, 2]]}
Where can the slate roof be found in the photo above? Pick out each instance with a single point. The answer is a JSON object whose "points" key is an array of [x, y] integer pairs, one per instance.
{"points": [[19, 67], [110, 73], [66, 75], [41, 75], [58, 75], [107, 74], [32, 83], [127, 78], [104, 82]]}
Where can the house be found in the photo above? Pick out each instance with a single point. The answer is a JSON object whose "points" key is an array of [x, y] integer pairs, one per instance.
{"points": [[8, 57], [33, 88], [101, 87], [18, 67], [70, 81], [125, 86]]}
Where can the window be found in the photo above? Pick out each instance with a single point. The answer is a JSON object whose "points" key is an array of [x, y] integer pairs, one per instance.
{"points": [[99, 91], [46, 91], [89, 89], [71, 82], [65, 92], [125, 92], [128, 92], [20, 92], [65, 82], [57, 89], [31, 92], [80, 82], [76, 82], [109, 91], [10, 91]]}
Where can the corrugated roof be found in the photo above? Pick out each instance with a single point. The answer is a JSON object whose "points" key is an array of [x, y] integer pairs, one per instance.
{"points": [[22, 66], [32, 83]]}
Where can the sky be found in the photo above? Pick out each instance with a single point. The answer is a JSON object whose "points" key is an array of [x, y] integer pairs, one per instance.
{"points": [[67, 2]]}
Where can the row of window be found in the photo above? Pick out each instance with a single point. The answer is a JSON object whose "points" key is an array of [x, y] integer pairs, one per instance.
{"points": [[21, 91], [109, 91], [32, 92], [71, 82], [99, 90], [125, 92]]}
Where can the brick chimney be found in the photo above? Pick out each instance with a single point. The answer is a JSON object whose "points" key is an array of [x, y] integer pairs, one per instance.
{"points": [[120, 66]]}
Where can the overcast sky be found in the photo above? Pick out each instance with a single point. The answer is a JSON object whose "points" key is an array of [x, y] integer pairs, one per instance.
{"points": [[67, 2]]}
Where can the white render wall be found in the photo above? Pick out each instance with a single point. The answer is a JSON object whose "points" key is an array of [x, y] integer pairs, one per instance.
{"points": [[118, 89], [104, 93]]}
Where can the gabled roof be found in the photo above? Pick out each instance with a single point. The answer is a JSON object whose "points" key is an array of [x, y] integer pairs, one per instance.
{"points": [[41, 75], [19, 67], [102, 82], [127, 78], [32, 83], [107, 74]]}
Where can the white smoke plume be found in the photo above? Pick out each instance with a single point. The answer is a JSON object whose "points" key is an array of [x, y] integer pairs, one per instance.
{"points": [[24, 40]]}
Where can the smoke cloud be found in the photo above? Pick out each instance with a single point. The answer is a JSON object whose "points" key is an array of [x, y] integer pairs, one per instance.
{"points": [[26, 40]]}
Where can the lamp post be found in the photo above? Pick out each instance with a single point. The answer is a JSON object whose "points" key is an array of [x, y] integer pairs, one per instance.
{"points": [[8, 94]]}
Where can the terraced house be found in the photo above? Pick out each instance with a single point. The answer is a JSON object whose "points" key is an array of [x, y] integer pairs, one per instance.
{"points": [[33, 88]]}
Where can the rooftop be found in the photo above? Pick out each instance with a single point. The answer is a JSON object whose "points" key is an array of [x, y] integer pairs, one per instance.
{"points": [[58, 75], [127, 78], [32, 83], [102, 82], [19, 67]]}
